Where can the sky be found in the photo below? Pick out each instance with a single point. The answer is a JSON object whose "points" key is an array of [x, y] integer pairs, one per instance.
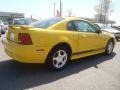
{"points": [[45, 8]]}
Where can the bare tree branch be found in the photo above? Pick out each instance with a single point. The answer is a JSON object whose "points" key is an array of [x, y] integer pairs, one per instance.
{"points": [[104, 9], [69, 12]]}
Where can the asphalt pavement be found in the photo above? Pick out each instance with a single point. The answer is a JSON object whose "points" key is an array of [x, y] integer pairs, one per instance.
{"points": [[98, 72]]}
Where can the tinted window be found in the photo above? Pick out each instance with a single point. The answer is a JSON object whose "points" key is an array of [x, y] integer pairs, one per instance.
{"points": [[84, 26], [22, 21], [71, 26], [47, 22]]}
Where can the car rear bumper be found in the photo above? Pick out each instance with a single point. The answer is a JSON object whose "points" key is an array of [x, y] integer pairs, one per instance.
{"points": [[24, 53]]}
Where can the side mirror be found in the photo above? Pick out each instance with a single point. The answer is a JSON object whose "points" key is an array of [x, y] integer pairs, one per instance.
{"points": [[98, 31], [97, 26]]}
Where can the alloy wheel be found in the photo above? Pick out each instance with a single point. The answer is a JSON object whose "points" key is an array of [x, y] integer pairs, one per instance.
{"points": [[60, 58]]}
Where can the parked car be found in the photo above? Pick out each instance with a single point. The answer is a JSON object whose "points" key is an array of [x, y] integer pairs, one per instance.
{"points": [[6, 25], [109, 29], [116, 27], [22, 21], [3, 26], [0, 31], [55, 41]]}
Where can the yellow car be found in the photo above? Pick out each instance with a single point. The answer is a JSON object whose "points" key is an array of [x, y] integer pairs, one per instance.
{"points": [[56, 40]]}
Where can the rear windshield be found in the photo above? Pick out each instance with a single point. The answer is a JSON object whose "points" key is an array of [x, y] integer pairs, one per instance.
{"points": [[22, 21], [47, 22]]}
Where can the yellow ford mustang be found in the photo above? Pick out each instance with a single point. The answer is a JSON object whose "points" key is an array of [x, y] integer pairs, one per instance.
{"points": [[56, 40]]}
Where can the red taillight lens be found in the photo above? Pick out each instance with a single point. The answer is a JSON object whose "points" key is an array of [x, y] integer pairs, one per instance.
{"points": [[24, 38]]}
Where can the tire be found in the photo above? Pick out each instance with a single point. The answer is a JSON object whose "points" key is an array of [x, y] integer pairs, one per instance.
{"points": [[58, 58], [3, 32], [109, 48], [117, 39]]}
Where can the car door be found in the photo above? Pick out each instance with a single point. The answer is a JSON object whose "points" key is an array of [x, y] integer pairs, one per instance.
{"points": [[88, 38]]}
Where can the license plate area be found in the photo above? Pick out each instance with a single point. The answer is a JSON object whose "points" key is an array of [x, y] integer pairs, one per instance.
{"points": [[12, 36]]}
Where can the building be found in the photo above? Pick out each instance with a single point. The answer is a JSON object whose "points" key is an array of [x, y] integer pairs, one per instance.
{"points": [[9, 16]]}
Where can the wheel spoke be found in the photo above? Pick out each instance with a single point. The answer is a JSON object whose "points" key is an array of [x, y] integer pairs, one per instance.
{"points": [[63, 62], [59, 58], [55, 58], [55, 63], [64, 56], [59, 53]]}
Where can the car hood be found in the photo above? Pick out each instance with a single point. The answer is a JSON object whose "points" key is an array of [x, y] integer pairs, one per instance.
{"points": [[111, 30]]}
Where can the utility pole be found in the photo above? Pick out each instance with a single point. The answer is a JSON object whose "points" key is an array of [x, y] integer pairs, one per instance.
{"points": [[54, 9], [60, 8]]}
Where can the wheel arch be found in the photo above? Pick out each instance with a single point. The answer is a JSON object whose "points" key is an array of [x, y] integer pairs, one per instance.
{"points": [[112, 39], [66, 45]]}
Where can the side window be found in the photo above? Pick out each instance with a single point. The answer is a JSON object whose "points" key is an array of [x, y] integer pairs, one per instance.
{"points": [[71, 26], [84, 26]]}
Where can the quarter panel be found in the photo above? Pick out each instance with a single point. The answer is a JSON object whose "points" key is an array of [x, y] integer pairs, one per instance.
{"points": [[49, 38]]}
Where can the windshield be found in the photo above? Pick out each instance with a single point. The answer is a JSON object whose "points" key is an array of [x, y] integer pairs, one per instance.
{"points": [[104, 26], [22, 21], [47, 22]]}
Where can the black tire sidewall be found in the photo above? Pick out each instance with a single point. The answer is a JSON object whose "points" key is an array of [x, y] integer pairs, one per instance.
{"points": [[106, 50]]}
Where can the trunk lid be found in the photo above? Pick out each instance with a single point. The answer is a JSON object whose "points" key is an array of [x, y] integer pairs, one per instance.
{"points": [[14, 30]]}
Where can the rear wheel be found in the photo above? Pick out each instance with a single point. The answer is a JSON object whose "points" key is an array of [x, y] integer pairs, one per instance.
{"points": [[109, 48], [58, 57]]}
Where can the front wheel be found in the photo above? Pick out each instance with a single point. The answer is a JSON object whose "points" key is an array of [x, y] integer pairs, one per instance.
{"points": [[58, 58], [117, 39], [109, 48]]}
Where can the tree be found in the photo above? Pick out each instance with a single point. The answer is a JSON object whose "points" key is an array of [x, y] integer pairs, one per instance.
{"points": [[104, 9], [69, 12]]}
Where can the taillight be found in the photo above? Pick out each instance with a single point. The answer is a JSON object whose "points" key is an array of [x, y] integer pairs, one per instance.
{"points": [[24, 38]]}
